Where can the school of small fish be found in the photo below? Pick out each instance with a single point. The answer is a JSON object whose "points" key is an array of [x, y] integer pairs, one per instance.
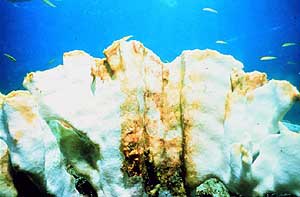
{"points": [[206, 9], [286, 44], [263, 58]]}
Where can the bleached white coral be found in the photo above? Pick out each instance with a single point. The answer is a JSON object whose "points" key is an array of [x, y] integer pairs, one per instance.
{"points": [[130, 125]]}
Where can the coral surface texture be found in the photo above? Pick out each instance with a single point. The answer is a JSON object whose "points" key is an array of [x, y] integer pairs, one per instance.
{"points": [[130, 125]]}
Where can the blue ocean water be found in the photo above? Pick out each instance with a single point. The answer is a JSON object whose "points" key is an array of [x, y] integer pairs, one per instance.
{"points": [[37, 34]]}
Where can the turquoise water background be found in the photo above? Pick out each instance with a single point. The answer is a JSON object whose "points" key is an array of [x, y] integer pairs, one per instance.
{"points": [[37, 35]]}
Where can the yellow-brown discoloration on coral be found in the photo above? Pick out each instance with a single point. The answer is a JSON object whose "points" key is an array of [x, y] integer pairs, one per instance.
{"points": [[19, 93], [113, 55], [171, 118], [20, 101], [235, 77], [288, 89], [1, 100], [172, 165], [132, 117], [227, 105], [191, 178], [203, 97], [240, 151], [250, 97], [100, 69], [166, 153], [174, 151], [132, 123], [156, 60], [165, 149], [244, 151], [5, 176], [29, 78], [148, 144], [4, 152], [133, 146], [199, 55], [132, 131], [138, 48], [242, 83], [18, 135], [236, 149], [74, 53]]}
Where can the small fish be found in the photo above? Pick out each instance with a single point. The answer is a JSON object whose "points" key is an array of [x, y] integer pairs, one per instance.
{"points": [[49, 3], [221, 42], [51, 61], [11, 58], [291, 63], [210, 10], [275, 28], [265, 58], [93, 85], [287, 44]]}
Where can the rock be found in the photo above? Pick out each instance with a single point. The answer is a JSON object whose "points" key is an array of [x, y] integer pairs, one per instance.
{"points": [[130, 125], [212, 187]]}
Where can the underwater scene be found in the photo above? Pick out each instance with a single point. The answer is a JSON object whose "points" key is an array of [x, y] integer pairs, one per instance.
{"points": [[150, 98]]}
